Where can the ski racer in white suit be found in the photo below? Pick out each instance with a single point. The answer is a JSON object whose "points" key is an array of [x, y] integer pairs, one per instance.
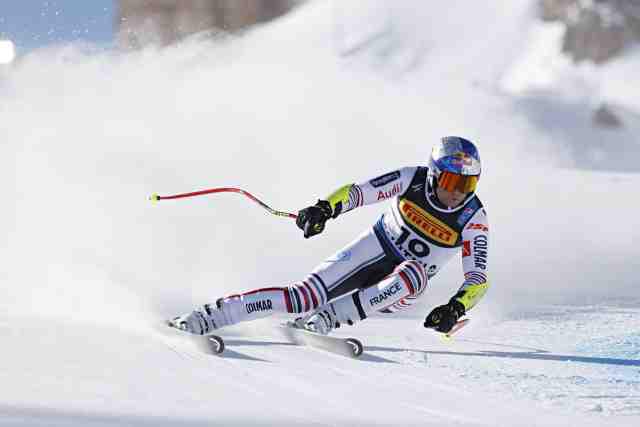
{"points": [[434, 214]]}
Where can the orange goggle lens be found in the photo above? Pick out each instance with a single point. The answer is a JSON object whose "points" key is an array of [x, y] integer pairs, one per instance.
{"points": [[463, 183]]}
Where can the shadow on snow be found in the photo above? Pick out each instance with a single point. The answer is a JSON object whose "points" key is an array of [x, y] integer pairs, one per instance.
{"points": [[533, 354]]}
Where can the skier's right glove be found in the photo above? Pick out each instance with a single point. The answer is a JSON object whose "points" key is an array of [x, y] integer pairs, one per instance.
{"points": [[311, 220], [444, 317]]}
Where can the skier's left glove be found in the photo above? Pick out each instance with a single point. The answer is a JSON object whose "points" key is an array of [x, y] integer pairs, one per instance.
{"points": [[444, 317], [311, 220]]}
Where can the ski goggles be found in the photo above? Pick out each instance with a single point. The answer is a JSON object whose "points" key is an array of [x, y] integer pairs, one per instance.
{"points": [[463, 183]]}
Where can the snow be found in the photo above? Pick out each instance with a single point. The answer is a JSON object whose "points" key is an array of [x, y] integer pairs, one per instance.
{"points": [[541, 66], [90, 266], [111, 376], [7, 52]]}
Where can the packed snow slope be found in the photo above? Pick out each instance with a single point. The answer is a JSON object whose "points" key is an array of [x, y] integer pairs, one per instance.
{"points": [[334, 93]]}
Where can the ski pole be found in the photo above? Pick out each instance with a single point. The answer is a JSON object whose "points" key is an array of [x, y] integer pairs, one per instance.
{"points": [[155, 197]]}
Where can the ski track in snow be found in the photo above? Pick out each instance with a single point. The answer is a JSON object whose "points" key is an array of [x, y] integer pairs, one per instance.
{"points": [[408, 376]]}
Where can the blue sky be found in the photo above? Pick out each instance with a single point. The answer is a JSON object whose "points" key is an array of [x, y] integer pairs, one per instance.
{"points": [[35, 23]]}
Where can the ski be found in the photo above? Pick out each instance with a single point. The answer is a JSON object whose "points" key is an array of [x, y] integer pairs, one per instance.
{"points": [[348, 347], [210, 344]]}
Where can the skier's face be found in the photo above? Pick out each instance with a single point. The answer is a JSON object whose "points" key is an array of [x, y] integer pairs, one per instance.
{"points": [[450, 199]]}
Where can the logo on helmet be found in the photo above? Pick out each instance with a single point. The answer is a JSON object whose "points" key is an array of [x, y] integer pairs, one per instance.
{"points": [[462, 159]]}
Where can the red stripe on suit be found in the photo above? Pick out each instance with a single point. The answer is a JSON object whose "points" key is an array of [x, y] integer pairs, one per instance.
{"points": [[313, 294]]}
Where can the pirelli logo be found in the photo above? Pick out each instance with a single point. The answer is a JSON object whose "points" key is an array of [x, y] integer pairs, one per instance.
{"points": [[427, 224]]}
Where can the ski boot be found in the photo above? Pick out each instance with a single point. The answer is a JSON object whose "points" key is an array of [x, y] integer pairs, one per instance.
{"points": [[202, 322], [321, 322]]}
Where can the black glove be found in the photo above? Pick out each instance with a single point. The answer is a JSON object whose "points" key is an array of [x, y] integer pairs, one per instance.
{"points": [[444, 317], [311, 220]]}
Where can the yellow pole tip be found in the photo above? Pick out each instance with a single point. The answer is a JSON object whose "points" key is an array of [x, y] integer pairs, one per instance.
{"points": [[154, 197]]}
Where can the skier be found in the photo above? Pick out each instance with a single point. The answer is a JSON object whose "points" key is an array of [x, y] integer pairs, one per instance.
{"points": [[434, 214]]}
